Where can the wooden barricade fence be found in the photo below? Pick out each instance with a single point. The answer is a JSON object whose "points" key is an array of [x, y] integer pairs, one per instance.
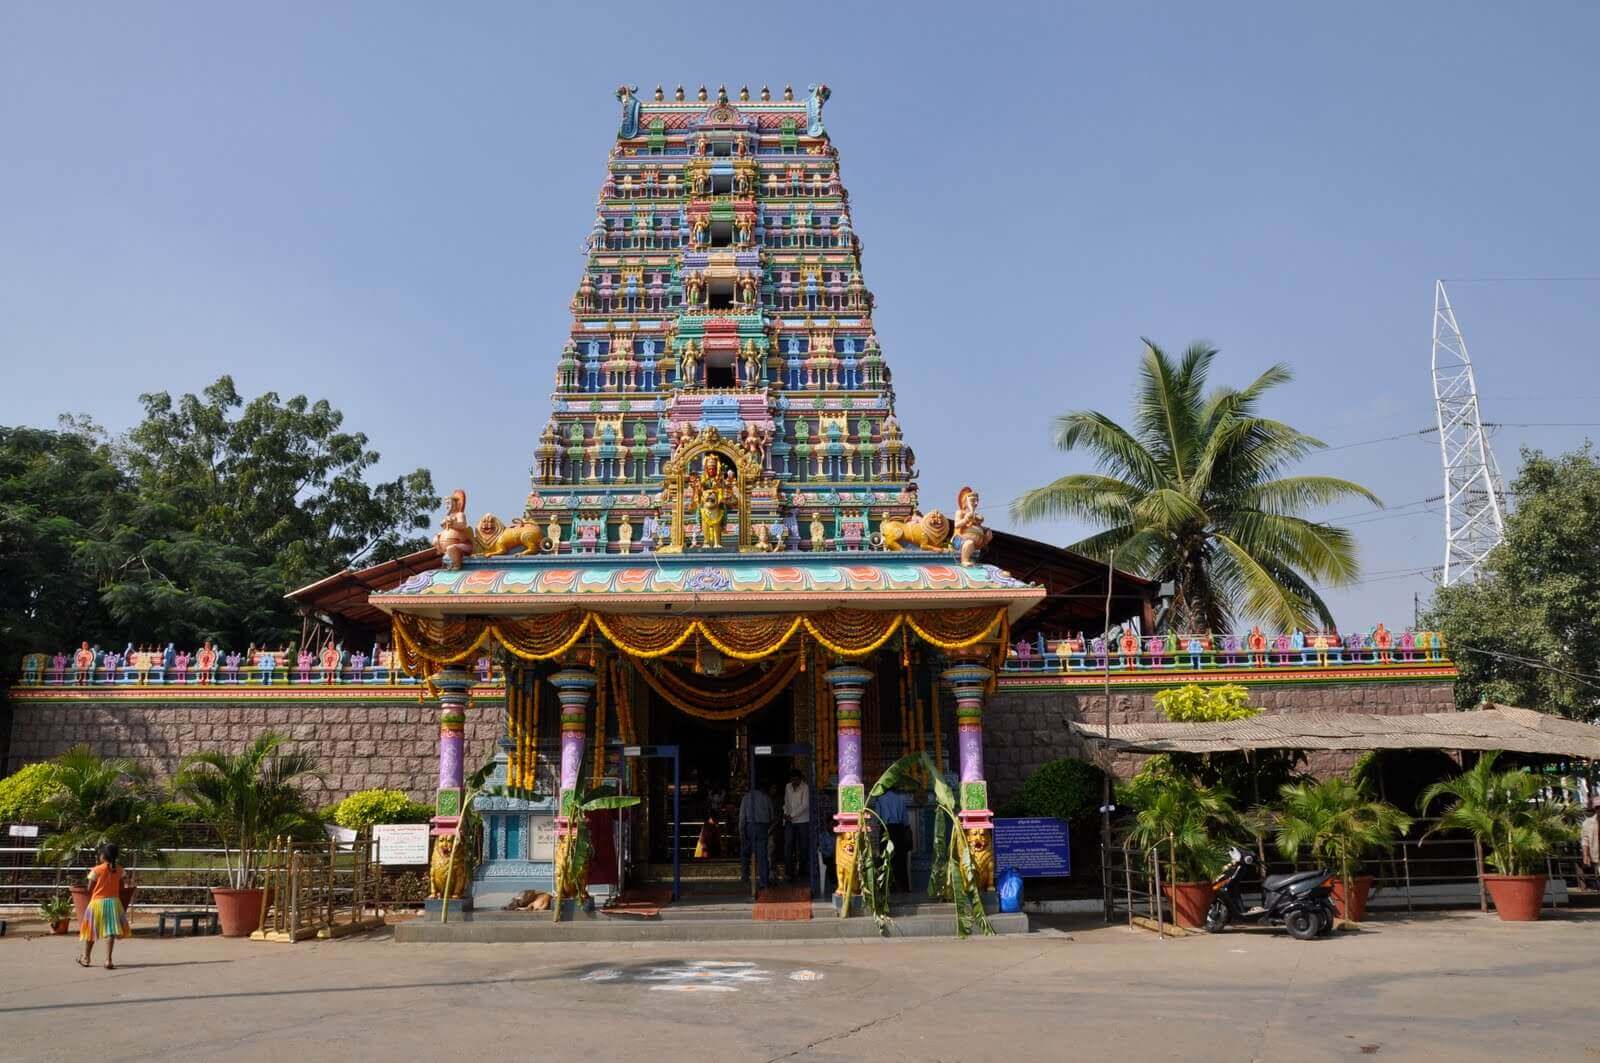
{"points": [[322, 889]]}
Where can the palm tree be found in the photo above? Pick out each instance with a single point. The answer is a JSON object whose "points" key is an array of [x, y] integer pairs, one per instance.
{"points": [[100, 800], [1505, 810], [1338, 821], [248, 797], [1195, 493]]}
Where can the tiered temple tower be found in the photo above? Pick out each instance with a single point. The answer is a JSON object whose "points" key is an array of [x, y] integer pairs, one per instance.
{"points": [[723, 290]]}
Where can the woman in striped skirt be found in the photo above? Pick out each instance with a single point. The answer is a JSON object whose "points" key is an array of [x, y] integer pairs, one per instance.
{"points": [[104, 917]]}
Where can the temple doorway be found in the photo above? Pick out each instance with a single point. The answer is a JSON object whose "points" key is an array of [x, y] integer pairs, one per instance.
{"points": [[715, 766]]}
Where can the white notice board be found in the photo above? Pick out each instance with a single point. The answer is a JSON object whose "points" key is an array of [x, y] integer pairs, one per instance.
{"points": [[542, 843], [401, 844]]}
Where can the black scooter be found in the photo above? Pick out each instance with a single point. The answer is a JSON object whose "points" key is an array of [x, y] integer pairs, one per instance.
{"points": [[1301, 903]]}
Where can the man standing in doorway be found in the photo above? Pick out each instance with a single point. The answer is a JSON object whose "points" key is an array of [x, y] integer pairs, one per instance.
{"points": [[755, 822], [797, 825], [896, 815]]}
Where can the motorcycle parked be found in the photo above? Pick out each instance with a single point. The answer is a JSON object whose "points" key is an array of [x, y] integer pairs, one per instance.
{"points": [[1301, 902]]}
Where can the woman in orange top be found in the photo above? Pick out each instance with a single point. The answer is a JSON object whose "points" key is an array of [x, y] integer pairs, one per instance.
{"points": [[104, 917]]}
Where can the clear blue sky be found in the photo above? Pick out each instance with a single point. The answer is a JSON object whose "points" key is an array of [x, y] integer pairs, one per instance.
{"points": [[384, 204]]}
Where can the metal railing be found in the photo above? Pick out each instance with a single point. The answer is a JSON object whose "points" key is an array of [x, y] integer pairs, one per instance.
{"points": [[1431, 873]]}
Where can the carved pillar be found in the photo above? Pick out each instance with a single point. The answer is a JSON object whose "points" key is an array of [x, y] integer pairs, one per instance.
{"points": [[574, 689], [849, 684], [452, 683], [969, 682]]}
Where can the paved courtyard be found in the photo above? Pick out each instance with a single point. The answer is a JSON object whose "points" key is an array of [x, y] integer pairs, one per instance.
{"points": [[1456, 986]]}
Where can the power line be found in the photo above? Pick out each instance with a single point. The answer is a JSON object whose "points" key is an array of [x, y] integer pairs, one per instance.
{"points": [[1380, 439], [1591, 680], [1541, 424], [1521, 280]]}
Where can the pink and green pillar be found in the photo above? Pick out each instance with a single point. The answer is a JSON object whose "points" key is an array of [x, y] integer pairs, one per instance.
{"points": [[969, 682], [575, 690], [452, 683], [849, 685]]}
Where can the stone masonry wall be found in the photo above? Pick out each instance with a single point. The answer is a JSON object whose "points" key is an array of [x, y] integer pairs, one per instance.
{"points": [[393, 741], [393, 744], [1024, 728]]}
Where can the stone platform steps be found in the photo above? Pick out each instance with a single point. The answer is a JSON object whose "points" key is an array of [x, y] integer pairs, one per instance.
{"points": [[692, 921]]}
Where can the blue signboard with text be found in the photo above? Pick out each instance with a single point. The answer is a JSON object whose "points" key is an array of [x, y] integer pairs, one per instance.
{"points": [[1033, 847]]}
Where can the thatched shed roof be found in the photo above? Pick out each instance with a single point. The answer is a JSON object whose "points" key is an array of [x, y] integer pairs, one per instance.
{"points": [[1492, 727]]}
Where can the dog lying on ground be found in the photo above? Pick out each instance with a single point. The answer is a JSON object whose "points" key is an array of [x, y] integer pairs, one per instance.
{"points": [[530, 901]]}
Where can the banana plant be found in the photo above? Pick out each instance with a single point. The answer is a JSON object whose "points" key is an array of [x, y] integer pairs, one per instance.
{"points": [[574, 848], [954, 875]]}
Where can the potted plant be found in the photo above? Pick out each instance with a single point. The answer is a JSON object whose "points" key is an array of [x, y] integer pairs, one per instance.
{"points": [[1183, 819], [248, 798], [1504, 811], [1338, 822], [57, 912], [96, 801]]}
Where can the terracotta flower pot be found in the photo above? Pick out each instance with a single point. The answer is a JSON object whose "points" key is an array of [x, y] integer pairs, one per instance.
{"points": [[60, 926], [1190, 901], [1517, 898], [127, 896], [238, 911], [80, 902], [1360, 888]]}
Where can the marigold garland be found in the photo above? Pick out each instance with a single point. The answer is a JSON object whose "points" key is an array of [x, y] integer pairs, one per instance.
{"points": [[423, 645], [715, 714]]}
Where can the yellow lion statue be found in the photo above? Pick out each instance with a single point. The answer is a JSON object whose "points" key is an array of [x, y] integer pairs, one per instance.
{"points": [[930, 531], [446, 853], [982, 858], [495, 538], [844, 862]]}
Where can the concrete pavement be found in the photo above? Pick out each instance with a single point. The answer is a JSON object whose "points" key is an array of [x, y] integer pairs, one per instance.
{"points": [[1458, 986]]}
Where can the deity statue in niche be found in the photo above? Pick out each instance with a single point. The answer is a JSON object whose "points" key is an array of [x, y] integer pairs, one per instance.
{"points": [[713, 491], [624, 535]]}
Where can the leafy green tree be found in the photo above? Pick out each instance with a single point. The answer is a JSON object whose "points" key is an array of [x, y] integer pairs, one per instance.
{"points": [[57, 487], [192, 526], [1195, 493], [1527, 630]]}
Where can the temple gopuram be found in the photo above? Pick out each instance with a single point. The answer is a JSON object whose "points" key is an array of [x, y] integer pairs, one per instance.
{"points": [[723, 563], [723, 572]]}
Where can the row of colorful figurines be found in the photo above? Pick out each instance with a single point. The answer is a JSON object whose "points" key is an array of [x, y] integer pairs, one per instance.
{"points": [[1254, 649], [143, 665]]}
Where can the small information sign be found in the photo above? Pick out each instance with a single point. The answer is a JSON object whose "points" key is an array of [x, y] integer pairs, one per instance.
{"points": [[401, 844], [542, 839], [1033, 847], [19, 830]]}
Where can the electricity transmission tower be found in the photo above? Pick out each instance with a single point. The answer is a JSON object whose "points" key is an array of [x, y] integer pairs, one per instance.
{"points": [[1474, 512]]}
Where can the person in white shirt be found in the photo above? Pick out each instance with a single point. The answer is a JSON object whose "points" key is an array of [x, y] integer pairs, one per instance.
{"points": [[797, 825], [1590, 840]]}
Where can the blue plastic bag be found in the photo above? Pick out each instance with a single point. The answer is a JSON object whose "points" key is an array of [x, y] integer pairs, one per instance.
{"points": [[1010, 889]]}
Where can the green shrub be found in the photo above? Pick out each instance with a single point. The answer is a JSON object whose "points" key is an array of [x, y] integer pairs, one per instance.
{"points": [[1193, 703], [1065, 789], [365, 807], [25, 793]]}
